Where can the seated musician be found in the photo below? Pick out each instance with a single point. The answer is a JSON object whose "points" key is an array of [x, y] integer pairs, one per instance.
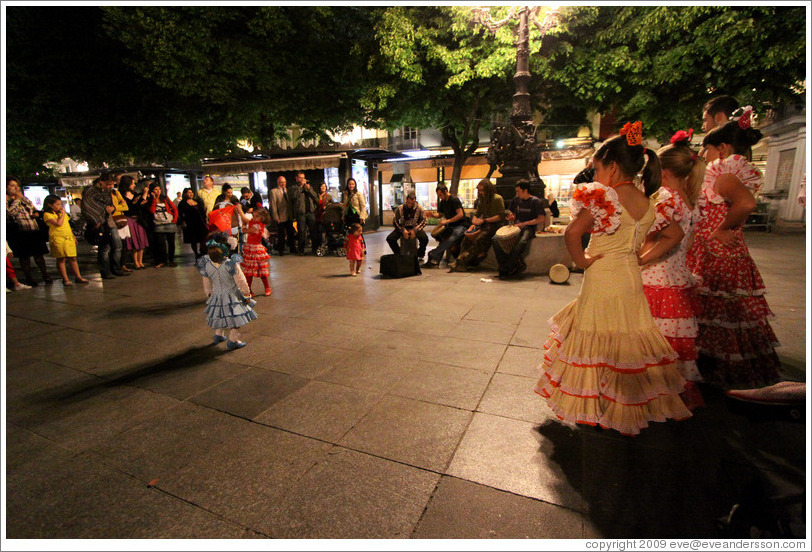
{"points": [[489, 216], [526, 212], [409, 223], [456, 223]]}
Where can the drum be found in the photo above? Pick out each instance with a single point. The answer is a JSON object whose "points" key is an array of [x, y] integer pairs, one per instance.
{"points": [[507, 236], [559, 274], [473, 233], [438, 230]]}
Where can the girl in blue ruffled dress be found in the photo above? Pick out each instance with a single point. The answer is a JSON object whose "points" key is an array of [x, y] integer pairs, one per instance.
{"points": [[229, 306]]}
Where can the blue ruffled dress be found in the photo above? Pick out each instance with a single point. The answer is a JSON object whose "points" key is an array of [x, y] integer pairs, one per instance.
{"points": [[227, 307]]}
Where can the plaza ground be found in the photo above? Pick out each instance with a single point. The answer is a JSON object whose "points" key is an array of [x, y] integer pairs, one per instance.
{"points": [[361, 408]]}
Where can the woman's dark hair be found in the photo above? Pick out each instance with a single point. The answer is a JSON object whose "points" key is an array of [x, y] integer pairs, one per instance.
{"points": [[183, 193], [222, 196], [48, 203], [156, 185], [740, 139], [631, 160], [125, 182], [354, 190]]}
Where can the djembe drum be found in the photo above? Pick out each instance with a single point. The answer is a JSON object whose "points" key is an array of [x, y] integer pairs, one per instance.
{"points": [[507, 237], [559, 274], [437, 232]]}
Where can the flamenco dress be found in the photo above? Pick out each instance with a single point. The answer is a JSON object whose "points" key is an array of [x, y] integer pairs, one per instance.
{"points": [[734, 330], [226, 307], [668, 286], [255, 256], [606, 362]]}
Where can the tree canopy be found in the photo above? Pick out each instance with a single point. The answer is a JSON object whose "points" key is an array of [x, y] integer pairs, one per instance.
{"points": [[119, 84]]}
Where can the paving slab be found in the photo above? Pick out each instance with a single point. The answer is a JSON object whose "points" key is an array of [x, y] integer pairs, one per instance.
{"points": [[250, 392], [320, 410], [353, 495], [461, 509], [413, 432], [521, 361], [443, 384], [513, 456]]}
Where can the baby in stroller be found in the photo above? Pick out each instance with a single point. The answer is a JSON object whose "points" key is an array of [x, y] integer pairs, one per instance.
{"points": [[336, 232]]}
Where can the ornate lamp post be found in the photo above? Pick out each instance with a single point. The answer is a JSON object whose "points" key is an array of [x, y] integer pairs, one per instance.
{"points": [[514, 150]]}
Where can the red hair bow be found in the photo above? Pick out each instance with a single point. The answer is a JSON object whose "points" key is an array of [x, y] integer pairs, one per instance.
{"points": [[744, 119], [682, 136], [633, 133]]}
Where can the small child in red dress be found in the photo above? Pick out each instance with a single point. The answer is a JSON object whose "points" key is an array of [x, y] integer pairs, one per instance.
{"points": [[255, 256], [356, 248]]}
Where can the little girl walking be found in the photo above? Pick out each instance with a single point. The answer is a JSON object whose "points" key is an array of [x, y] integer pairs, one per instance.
{"points": [[61, 238], [356, 248], [228, 305], [255, 260]]}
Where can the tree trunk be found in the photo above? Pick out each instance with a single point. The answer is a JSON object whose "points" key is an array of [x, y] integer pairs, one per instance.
{"points": [[463, 147]]}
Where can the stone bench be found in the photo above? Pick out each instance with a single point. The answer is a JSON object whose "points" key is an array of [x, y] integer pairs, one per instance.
{"points": [[546, 250]]}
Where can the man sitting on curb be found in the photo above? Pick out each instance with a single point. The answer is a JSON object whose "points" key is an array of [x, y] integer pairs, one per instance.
{"points": [[456, 222], [409, 223], [526, 211]]}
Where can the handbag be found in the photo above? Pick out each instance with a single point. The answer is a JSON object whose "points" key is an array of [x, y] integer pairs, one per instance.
{"points": [[93, 235], [120, 220]]}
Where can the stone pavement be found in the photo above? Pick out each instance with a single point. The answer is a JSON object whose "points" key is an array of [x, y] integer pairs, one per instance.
{"points": [[361, 408]]}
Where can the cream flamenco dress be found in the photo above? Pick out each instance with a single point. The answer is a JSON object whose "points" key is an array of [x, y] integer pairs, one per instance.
{"points": [[606, 362]]}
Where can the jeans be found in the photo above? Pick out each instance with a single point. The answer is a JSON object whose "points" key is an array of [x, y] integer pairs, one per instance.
{"points": [[452, 239], [109, 254], [509, 263], [393, 238], [306, 224]]}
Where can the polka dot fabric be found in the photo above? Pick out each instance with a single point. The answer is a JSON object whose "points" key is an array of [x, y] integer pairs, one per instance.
{"points": [[667, 282], [734, 331]]}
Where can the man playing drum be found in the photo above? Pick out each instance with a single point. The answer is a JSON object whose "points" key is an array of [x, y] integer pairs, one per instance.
{"points": [[526, 211], [455, 221]]}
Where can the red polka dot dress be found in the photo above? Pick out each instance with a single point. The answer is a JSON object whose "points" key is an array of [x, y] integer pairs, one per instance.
{"points": [[667, 282], [255, 256], [733, 315]]}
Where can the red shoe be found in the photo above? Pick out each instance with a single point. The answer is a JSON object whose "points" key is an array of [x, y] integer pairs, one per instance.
{"points": [[268, 292]]}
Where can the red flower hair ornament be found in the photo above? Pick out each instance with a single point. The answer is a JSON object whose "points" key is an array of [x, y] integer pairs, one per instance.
{"points": [[682, 137], [633, 133], [744, 117]]}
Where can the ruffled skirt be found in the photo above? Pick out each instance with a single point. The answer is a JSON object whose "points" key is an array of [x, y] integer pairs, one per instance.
{"points": [[734, 330], [255, 260], [605, 361], [673, 310], [229, 311]]}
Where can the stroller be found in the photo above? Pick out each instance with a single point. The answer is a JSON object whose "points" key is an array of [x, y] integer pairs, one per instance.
{"points": [[333, 221]]}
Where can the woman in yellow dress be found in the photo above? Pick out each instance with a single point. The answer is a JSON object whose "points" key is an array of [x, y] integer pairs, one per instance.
{"points": [[606, 363]]}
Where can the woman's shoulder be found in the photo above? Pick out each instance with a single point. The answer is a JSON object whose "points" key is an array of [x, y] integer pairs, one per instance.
{"points": [[738, 166]]}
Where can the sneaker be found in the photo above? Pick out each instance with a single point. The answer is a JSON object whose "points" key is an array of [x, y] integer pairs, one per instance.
{"points": [[19, 286]]}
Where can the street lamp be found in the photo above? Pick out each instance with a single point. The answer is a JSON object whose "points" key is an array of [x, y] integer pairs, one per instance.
{"points": [[514, 150]]}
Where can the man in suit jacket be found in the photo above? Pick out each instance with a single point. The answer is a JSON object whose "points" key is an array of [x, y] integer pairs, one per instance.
{"points": [[281, 208]]}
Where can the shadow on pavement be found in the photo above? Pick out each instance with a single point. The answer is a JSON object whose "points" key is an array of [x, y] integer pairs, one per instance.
{"points": [[683, 479]]}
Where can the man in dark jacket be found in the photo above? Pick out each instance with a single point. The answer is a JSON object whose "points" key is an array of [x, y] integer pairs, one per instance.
{"points": [[305, 203], [409, 223], [97, 208]]}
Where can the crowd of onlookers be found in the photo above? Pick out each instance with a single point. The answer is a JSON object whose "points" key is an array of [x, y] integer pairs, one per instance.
{"points": [[122, 219]]}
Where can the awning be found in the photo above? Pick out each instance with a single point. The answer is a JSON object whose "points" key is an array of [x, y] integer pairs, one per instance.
{"points": [[305, 163]]}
